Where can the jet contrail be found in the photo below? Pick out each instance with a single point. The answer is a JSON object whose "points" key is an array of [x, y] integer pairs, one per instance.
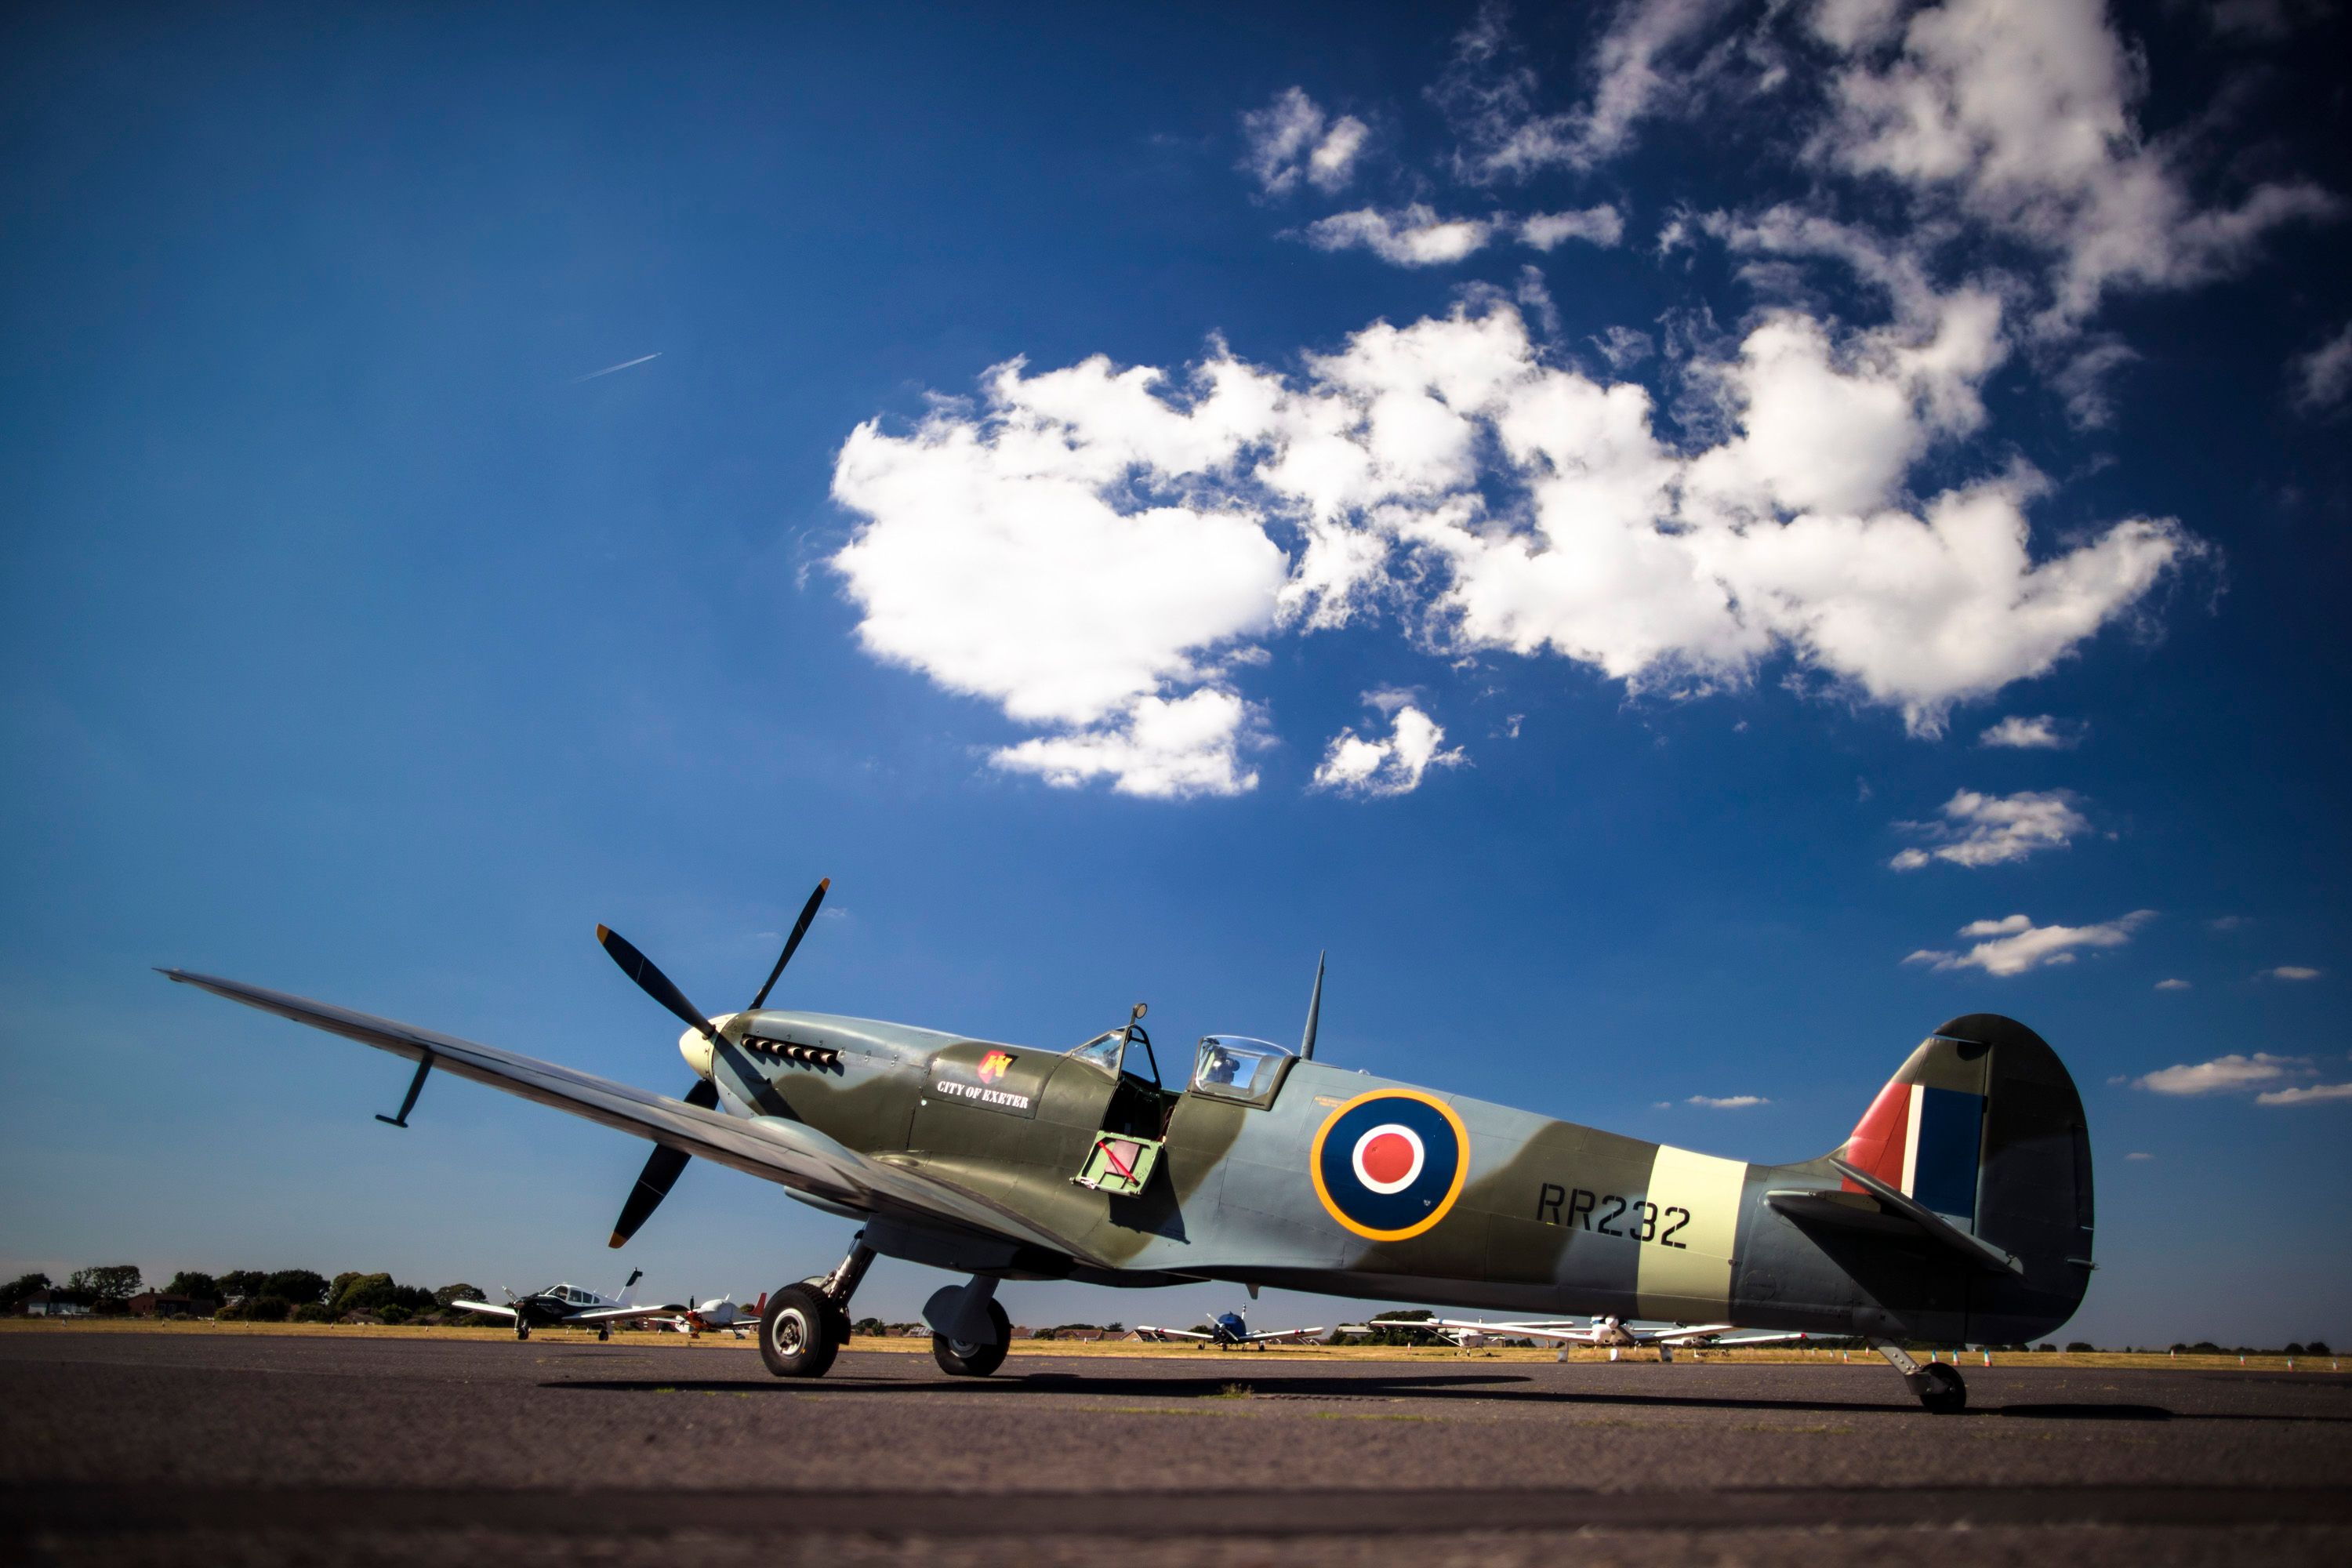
{"points": [[611, 368]]}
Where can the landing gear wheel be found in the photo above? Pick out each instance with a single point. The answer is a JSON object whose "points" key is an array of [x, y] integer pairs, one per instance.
{"points": [[523, 1329], [602, 1333], [958, 1359], [1941, 1390], [796, 1333]]}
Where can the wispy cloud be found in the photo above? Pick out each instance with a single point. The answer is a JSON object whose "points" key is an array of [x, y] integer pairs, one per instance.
{"points": [[2323, 375], [624, 364], [1411, 236], [2223, 1075], [1991, 830], [2288, 972], [2172, 985], [2038, 732], [2311, 1095], [1727, 1102], [1291, 139], [2014, 944], [2136, 1154]]}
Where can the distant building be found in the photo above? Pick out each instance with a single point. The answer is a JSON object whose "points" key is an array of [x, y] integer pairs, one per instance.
{"points": [[164, 1304], [54, 1304], [1087, 1335]]}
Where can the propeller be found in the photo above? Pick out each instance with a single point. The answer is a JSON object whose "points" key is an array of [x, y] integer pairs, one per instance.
{"points": [[663, 1165]]}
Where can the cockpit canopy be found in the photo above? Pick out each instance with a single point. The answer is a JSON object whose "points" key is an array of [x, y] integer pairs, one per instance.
{"points": [[1235, 1066]]}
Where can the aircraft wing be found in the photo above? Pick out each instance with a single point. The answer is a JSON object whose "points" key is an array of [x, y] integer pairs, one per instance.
{"points": [[1516, 1330], [619, 1314], [484, 1307], [1714, 1342], [1285, 1334], [1682, 1334], [790, 1153], [1170, 1334]]}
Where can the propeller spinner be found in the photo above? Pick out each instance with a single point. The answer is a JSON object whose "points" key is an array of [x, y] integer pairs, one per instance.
{"points": [[662, 1167]]}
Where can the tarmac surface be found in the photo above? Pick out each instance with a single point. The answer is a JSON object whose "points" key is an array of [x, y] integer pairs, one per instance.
{"points": [[230, 1448]]}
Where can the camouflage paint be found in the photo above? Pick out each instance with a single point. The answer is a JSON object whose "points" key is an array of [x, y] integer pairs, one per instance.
{"points": [[1541, 1215]]}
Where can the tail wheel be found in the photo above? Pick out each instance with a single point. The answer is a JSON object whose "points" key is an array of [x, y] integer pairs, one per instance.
{"points": [[1941, 1390], [796, 1333], [958, 1359]]}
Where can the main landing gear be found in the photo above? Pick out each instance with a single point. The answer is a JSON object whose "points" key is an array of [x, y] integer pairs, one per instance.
{"points": [[523, 1328], [1938, 1386], [803, 1326]]}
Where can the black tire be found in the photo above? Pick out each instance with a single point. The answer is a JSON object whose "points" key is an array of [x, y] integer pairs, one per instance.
{"points": [[523, 1329], [1941, 1390], [958, 1359], [796, 1333], [603, 1332]]}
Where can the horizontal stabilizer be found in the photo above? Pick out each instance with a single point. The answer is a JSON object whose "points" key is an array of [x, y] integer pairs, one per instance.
{"points": [[1910, 1214]]}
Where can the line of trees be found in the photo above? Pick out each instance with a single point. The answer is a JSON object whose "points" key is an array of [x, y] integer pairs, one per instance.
{"points": [[256, 1295]]}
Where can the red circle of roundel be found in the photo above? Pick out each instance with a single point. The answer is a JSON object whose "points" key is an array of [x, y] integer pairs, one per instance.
{"points": [[1388, 1158]]}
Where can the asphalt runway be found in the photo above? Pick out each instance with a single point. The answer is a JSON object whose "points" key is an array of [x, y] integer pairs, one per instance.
{"points": [[227, 1448]]}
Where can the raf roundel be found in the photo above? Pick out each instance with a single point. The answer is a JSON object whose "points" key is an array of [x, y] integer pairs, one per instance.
{"points": [[1389, 1165]]}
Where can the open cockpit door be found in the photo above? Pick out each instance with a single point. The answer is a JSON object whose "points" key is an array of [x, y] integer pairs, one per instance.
{"points": [[1111, 1086]]}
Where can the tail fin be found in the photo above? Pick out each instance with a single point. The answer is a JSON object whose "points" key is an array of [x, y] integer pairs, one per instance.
{"points": [[1984, 1127], [628, 1285]]}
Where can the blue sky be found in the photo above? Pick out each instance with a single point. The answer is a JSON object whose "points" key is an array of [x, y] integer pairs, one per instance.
{"points": [[1605, 476]]}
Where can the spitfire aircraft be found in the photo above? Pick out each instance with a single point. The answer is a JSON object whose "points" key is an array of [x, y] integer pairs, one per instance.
{"points": [[567, 1306], [1230, 1331], [1958, 1209]]}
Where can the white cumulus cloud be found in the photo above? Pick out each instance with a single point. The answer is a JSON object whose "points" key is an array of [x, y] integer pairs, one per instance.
{"points": [[2038, 732], [1728, 1101], [2014, 944], [1993, 829], [1291, 140], [1157, 748], [1069, 544], [1366, 765], [2289, 971]]}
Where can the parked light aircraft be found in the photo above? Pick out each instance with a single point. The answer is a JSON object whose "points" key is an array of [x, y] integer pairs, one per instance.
{"points": [[1230, 1331], [719, 1314], [1613, 1334], [1958, 1210], [567, 1306]]}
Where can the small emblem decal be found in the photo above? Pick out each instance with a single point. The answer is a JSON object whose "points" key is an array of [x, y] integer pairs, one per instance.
{"points": [[1389, 1165], [991, 1066]]}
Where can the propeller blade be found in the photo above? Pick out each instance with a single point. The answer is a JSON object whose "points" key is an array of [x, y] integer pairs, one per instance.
{"points": [[656, 985], [662, 1165], [800, 929]]}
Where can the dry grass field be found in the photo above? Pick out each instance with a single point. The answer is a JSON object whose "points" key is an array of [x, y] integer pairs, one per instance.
{"points": [[1776, 1355]]}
